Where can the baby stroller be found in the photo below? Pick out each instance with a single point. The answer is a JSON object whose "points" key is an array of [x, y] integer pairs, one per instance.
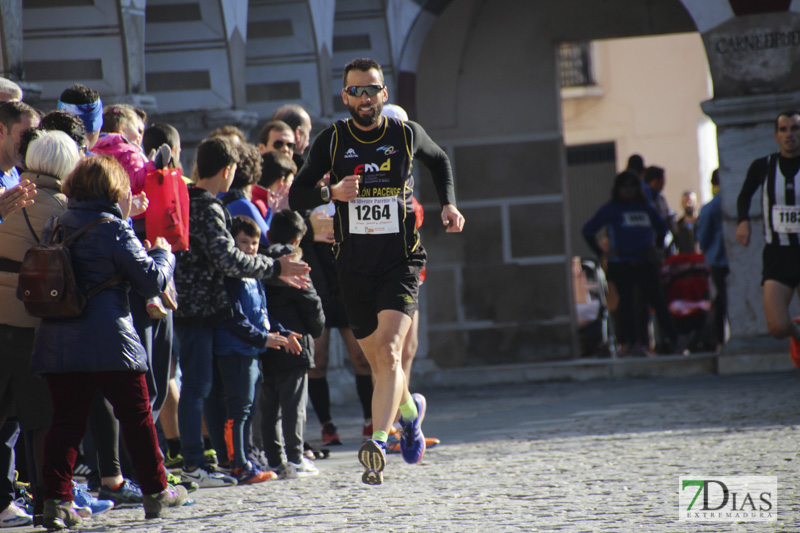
{"points": [[595, 334], [686, 279]]}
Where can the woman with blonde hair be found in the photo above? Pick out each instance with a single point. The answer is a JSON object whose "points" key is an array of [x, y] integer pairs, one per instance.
{"points": [[100, 350]]}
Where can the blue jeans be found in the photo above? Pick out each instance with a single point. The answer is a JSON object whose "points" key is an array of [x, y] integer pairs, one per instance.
{"points": [[239, 375], [196, 362]]}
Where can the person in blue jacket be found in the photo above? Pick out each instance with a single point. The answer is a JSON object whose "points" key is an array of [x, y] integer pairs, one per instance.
{"points": [[100, 350], [635, 231], [237, 345], [238, 199], [712, 243]]}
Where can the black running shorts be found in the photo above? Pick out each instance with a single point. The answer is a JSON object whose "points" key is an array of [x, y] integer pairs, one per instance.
{"points": [[365, 296], [781, 264]]}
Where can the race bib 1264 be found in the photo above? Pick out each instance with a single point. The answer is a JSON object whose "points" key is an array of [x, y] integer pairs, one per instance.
{"points": [[374, 215]]}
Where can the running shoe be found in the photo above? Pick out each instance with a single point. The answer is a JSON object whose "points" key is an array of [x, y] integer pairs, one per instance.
{"points": [[126, 495], [367, 431], [250, 474], [87, 505], [154, 504], [330, 435], [59, 516], [82, 470], [304, 468], [155, 308], [794, 349], [430, 442], [394, 435], [174, 480], [412, 442], [211, 457], [13, 516], [373, 459], [206, 477], [280, 470], [171, 461]]}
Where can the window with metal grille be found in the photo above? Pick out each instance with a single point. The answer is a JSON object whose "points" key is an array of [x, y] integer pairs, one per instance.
{"points": [[575, 64]]}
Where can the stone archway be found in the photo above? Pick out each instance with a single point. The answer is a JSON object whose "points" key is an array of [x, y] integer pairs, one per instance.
{"points": [[752, 49], [487, 92]]}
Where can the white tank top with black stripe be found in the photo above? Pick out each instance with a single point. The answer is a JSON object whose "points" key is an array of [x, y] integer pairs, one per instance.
{"points": [[780, 200]]}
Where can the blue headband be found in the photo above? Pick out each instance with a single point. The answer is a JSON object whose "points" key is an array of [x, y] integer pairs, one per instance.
{"points": [[90, 114]]}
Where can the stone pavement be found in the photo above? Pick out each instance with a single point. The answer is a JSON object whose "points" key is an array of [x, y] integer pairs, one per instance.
{"points": [[561, 456]]}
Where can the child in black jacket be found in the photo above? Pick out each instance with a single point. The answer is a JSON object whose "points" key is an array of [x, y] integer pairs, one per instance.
{"points": [[285, 375]]}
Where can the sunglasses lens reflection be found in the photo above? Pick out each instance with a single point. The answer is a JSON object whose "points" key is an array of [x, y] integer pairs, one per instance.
{"points": [[360, 90]]}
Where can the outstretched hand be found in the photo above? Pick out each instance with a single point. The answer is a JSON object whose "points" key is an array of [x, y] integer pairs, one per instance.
{"points": [[275, 340], [293, 272], [293, 343]]}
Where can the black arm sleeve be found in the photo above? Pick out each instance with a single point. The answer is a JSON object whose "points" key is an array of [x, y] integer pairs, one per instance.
{"points": [[437, 162], [755, 177], [304, 193]]}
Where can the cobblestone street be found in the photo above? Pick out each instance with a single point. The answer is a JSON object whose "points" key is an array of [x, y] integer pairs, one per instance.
{"points": [[570, 456]]}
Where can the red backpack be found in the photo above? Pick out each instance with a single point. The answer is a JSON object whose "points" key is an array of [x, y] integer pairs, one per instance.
{"points": [[168, 213]]}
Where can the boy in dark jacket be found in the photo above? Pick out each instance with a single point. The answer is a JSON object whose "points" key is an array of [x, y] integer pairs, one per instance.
{"points": [[237, 344], [284, 390], [203, 302]]}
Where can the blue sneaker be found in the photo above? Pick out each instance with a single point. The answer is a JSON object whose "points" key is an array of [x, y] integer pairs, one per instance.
{"points": [[373, 459], [412, 441], [128, 495], [87, 505]]}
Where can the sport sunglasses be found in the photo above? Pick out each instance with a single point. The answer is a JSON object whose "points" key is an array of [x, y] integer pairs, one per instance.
{"points": [[360, 90]]}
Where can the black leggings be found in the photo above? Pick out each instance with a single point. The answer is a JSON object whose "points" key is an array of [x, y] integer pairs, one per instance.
{"points": [[626, 277]]}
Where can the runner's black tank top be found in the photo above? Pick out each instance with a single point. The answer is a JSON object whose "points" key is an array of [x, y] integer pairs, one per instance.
{"points": [[377, 231]]}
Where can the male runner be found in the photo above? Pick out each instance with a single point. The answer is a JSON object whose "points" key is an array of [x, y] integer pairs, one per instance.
{"points": [[781, 204], [377, 249]]}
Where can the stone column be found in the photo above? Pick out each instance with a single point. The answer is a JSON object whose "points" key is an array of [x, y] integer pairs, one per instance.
{"points": [[752, 60], [11, 39]]}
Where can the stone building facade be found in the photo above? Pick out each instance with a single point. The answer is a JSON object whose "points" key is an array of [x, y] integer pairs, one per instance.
{"points": [[480, 76]]}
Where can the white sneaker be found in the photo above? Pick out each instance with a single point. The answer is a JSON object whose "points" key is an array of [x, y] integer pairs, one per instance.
{"points": [[207, 478], [13, 516], [303, 469]]}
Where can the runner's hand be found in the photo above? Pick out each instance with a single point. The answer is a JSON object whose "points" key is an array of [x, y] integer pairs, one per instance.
{"points": [[452, 219], [16, 197], [294, 273], [743, 233], [345, 190]]}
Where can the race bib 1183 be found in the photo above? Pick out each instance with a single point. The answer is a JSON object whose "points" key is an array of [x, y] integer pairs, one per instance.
{"points": [[786, 218]]}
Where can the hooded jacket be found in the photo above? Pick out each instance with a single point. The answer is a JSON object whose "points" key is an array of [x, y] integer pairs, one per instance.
{"points": [[200, 271], [297, 310], [129, 155]]}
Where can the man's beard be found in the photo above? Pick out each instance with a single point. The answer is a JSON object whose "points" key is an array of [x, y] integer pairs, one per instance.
{"points": [[366, 121]]}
